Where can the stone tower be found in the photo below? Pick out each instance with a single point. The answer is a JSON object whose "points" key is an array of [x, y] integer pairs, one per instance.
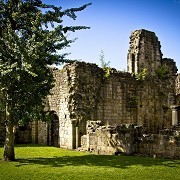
{"points": [[144, 52]]}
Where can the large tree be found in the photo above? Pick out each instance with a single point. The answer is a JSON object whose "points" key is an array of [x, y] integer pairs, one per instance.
{"points": [[31, 35]]}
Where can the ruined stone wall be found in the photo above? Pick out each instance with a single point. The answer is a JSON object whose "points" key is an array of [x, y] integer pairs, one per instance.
{"points": [[144, 52], [130, 139], [154, 101], [74, 99], [58, 103], [82, 92], [124, 99], [114, 103], [165, 144], [156, 93]]}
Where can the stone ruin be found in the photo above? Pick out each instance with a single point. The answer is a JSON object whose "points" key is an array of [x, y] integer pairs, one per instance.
{"points": [[130, 140], [134, 112]]}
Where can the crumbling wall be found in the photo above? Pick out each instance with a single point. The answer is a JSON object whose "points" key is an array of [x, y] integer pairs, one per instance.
{"points": [[115, 104], [58, 104], [110, 139], [74, 99], [82, 92], [144, 52], [156, 92], [126, 99], [154, 100], [165, 144], [130, 139]]}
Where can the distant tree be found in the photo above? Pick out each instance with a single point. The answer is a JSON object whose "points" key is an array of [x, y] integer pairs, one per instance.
{"points": [[31, 33]]}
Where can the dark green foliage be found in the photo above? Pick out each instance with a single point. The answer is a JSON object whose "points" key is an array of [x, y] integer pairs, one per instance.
{"points": [[31, 37], [29, 41]]}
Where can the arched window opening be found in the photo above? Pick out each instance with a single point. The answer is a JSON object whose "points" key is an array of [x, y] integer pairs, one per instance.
{"points": [[133, 63]]}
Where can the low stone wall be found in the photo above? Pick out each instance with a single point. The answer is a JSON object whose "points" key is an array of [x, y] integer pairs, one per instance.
{"points": [[130, 139], [110, 139], [165, 144]]}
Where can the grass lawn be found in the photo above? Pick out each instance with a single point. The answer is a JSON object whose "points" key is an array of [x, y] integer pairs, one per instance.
{"points": [[41, 162]]}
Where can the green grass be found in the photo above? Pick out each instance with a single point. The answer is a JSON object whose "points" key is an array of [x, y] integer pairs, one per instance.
{"points": [[40, 162]]}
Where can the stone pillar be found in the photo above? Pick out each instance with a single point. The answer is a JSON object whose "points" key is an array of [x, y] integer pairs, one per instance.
{"points": [[88, 142], [175, 118], [77, 137], [48, 137]]}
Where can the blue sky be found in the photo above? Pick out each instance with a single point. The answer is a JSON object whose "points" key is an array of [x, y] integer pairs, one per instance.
{"points": [[112, 22]]}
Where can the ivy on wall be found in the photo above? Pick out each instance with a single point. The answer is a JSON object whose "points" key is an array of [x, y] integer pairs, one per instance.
{"points": [[162, 71]]}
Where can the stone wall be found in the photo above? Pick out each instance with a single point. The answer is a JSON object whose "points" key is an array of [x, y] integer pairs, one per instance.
{"points": [[74, 100], [58, 103], [114, 101], [165, 144], [110, 139], [154, 100], [124, 99], [40, 132], [130, 139], [82, 92]]}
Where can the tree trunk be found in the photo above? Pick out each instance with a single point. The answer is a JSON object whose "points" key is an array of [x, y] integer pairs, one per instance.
{"points": [[9, 154]]}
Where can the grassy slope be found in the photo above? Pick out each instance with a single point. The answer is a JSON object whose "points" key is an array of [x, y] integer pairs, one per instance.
{"points": [[39, 162]]}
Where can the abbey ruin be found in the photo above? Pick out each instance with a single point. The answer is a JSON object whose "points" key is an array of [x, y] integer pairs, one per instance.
{"points": [[133, 112]]}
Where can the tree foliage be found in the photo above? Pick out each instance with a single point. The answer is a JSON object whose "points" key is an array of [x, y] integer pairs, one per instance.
{"points": [[31, 34]]}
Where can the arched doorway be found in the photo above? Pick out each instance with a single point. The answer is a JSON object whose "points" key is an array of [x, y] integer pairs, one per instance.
{"points": [[54, 140]]}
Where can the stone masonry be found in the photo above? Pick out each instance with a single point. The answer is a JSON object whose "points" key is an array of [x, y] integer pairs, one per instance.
{"points": [[130, 140]]}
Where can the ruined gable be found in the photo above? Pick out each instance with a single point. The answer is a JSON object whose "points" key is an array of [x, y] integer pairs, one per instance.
{"points": [[144, 52]]}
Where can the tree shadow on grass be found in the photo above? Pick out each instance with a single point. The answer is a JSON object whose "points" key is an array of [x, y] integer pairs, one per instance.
{"points": [[100, 160]]}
